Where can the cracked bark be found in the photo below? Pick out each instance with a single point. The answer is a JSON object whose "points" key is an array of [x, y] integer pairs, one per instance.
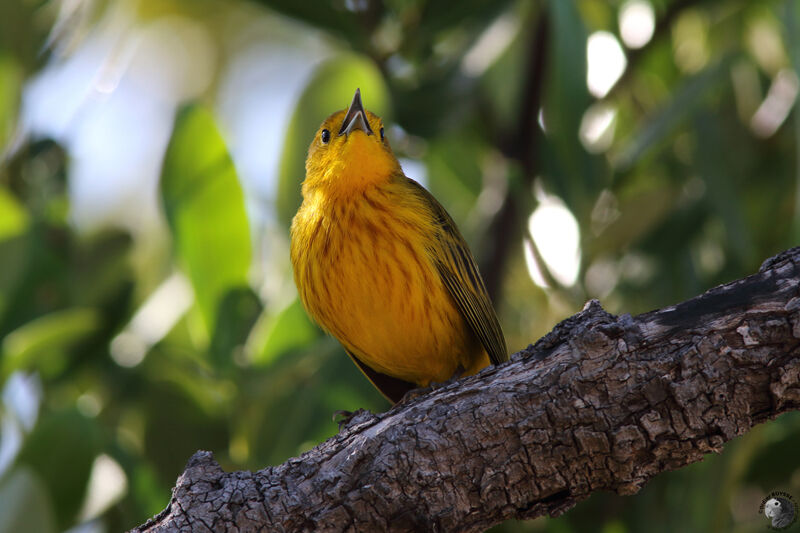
{"points": [[600, 403]]}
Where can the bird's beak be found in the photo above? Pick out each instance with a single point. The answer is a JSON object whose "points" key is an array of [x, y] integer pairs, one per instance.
{"points": [[356, 117]]}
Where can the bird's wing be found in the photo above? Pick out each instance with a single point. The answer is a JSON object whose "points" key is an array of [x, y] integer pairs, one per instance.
{"points": [[393, 389], [460, 275]]}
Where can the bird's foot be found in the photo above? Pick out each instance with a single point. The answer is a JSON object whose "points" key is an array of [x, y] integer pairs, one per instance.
{"points": [[415, 393], [432, 386]]}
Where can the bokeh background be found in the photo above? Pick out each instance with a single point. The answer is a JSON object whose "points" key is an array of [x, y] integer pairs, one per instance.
{"points": [[635, 151]]}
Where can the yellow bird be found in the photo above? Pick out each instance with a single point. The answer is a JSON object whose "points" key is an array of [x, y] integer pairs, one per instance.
{"points": [[380, 264]]}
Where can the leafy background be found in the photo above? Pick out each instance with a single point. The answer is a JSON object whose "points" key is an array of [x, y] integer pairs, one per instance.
{"points": [[637, 152]]}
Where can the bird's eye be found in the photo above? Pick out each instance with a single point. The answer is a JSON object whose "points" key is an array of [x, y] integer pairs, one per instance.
{"points": [[326, 136], [381, 133]]}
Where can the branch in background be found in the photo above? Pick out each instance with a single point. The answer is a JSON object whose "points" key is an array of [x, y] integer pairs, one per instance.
{"points": [[521, 146], [600, 403], [504, 228]]}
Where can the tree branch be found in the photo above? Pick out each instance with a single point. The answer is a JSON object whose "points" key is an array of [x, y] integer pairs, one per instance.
{"points": [[600, 403]]}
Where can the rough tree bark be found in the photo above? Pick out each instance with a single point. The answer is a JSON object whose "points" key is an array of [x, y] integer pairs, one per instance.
{"points": [[600, 403]]}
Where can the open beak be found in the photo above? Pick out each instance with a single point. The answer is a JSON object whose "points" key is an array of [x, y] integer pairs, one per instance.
{"points": [[356, 117]]}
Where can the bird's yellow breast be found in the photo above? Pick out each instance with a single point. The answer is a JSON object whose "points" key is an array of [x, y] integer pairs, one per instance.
{"points": [[364, 274]]}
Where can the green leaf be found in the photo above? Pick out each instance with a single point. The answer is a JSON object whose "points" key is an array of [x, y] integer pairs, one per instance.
{"points": [[45, 340], [205, 208], [13, 217], [330, 89], [288, 330], [24, 504]]}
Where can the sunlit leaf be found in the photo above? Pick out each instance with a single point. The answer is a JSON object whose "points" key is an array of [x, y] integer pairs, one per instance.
{"points": [[330, 89], [13, 217], [204, 204]]}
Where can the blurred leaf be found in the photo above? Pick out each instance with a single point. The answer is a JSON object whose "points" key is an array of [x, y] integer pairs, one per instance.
{"points": [[38, 277], [22, 33], [13, 217], [10, 85], [324, 379], [100, 265], [288, 330], [12, 268], [24, 504], [572, 173], [640, 212], [331, 16], [567, 95], [61, 450], [205, 209], [720, 171], [764, 469], [43, 341], [238, 312], [149, 492], [178, 369], [442, 16], [682, 104], [791, 18], [454, 165], [329, 90], [503, 79], [176, 427]]}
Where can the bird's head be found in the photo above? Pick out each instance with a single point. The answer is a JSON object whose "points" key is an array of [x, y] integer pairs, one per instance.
{"points": [[350, 151]]}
